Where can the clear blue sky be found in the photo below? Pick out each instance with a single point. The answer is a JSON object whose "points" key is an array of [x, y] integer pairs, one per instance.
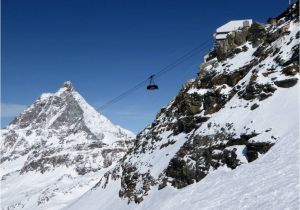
{"points": [[105, 47]]}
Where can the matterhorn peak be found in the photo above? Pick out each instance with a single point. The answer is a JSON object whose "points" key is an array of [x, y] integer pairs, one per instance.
{"points": [[68, 86], [61, 140]]}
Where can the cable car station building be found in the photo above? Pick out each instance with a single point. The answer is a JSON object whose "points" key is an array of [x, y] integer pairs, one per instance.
{"points": [[228, 37], [231, 26]]}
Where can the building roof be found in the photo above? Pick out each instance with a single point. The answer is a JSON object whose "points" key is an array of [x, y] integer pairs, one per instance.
{"points": [[221, 36], [233, 25]]}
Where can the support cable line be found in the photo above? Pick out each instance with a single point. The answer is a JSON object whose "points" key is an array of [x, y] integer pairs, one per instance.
{"points": [[150, 79]]}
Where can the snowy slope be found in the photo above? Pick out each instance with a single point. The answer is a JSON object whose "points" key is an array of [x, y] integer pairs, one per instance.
{"points": [[56, 150], [228, 140], [271, 182]]}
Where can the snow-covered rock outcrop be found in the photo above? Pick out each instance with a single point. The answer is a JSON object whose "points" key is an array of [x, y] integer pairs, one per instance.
{"points": [[56, 150], [229, 139]]}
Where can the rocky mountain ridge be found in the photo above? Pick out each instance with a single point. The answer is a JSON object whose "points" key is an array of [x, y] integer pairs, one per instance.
{"points": [[228, 116]]}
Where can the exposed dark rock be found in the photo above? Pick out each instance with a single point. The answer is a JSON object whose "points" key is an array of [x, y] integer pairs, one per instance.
{"points": [[254, 106], [291, 70], [10, 139], [279, 60], [211, 55], [228, 47], [254, 149], [167, 144], [287, 83], [259, 91], [261, 51], [128, 184], [195, 158], [256, 34], [43, 164]]}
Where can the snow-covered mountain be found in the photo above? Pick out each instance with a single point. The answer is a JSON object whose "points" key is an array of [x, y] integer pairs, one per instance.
{"points": [[56, 150], [228, 140]]}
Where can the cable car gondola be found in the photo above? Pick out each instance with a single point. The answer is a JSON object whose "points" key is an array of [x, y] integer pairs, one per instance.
{"points": [[152, 85]]}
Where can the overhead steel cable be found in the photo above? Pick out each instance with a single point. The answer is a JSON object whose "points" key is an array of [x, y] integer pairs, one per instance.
{"points": [[183, 58], [116, 99], [164, 70]]}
